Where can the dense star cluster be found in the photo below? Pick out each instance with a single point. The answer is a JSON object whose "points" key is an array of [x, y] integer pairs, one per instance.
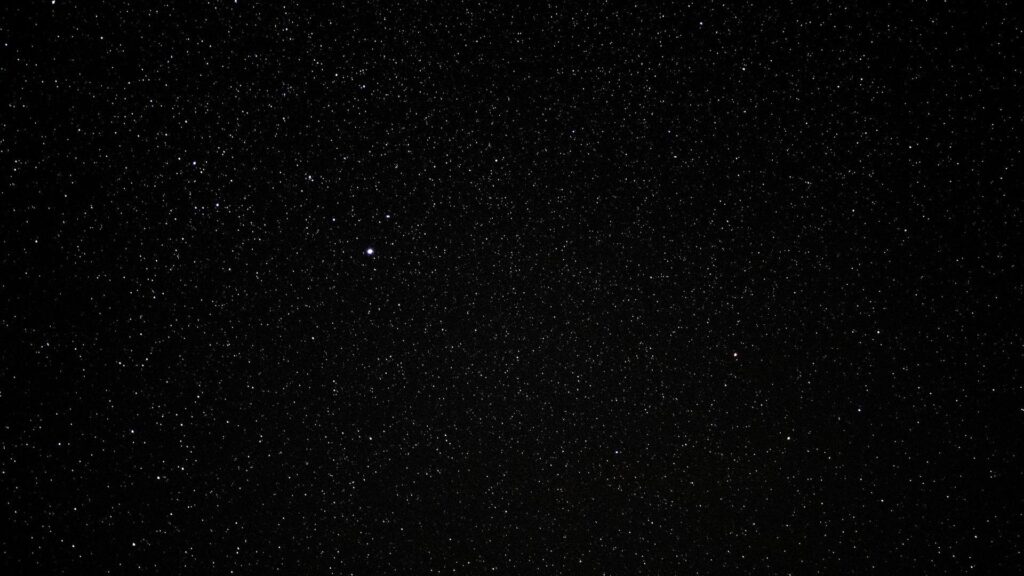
{"points": [[483, 288]]}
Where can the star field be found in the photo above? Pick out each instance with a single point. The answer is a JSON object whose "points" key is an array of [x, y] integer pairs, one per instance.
{"points": [[483, 288]]}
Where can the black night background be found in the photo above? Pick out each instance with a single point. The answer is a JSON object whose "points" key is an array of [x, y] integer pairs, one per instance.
{"points": [[510, 288]]}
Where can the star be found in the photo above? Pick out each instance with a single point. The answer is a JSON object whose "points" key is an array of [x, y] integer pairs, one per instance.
{"points": [[369, 251]]}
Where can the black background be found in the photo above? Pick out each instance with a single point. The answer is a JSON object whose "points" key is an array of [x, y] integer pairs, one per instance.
{"points": [[655, 288]]}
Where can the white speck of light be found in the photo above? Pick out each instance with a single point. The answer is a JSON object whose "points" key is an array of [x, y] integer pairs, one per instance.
{"points": [[369, 251]]}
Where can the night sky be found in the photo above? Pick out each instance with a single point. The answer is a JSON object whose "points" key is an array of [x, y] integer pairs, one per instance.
{"points": [[484, 288]]}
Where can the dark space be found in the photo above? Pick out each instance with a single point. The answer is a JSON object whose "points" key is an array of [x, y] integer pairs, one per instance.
{"points": [[493, 288]]}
